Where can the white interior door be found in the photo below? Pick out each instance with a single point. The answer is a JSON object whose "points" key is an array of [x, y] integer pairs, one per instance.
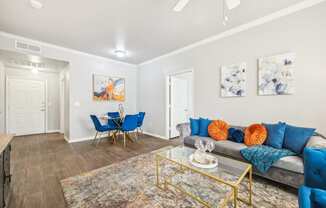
{"points": [[26, 106], [179, 103]]}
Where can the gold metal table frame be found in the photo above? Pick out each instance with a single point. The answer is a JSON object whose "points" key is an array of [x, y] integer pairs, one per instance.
{"points": [[235, 186]]}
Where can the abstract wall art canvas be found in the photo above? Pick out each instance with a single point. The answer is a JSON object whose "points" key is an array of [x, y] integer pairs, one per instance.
{"points": [[275, 75], [233, 80], [107, 88]]}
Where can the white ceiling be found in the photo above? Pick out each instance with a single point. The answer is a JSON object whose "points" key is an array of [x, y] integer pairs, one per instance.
{"points": [[145, 28], [11, 58]]}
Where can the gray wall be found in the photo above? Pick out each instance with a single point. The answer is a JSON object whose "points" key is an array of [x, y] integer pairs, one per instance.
{"points": [[303, 33], [52, 79], [81, 68]]}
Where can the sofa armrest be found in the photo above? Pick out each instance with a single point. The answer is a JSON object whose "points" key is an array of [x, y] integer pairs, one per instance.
{"points": [[184, 130], [316, 141]]}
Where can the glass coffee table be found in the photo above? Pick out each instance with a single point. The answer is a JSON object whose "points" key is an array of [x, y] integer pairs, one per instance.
{"points": [[173, 168]]}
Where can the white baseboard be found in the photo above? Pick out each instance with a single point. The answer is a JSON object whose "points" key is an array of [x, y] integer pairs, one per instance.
{"points": [[85, 138], [53, 131], [156, 135]]}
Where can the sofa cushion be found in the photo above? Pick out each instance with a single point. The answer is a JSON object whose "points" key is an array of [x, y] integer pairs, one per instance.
{"points": [[203, 127], [291, 163], [295, 138], [255, 134], [224, 147], [194, 126], [218, 130], [236, 135], [232, 149], [275, 134]]}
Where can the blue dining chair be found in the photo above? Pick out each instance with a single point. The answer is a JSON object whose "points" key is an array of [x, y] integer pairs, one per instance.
{"points": [[114, 114], [129, 125], [99, 127], [114, 119], [141, 116]]}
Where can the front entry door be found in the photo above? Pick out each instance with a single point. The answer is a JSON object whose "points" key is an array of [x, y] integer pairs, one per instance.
{"points": [[26, 106]]}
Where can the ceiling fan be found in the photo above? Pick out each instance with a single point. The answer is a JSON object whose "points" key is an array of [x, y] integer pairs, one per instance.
{"points": [[231, 4]]}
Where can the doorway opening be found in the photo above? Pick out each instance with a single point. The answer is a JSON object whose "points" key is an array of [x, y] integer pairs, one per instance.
{"points": [[33, 94], [179, 100]]}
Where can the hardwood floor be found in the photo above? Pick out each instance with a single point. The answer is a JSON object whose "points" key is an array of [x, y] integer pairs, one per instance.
{"points": [[39, 162]]}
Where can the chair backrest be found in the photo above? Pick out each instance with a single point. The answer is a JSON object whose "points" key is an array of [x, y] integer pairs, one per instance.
{"points": [[315, 168], [130, 123], [141, 116], [114, 114], [96, 122]]}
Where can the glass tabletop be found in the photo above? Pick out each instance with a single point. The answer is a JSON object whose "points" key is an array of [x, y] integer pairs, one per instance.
{"points": [[228, 170]]}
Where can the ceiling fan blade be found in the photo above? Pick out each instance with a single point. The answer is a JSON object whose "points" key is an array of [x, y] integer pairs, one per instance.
{"points": [[231, 4], [180, 5]]}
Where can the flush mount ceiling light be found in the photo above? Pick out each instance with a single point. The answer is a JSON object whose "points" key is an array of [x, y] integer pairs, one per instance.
{"points": [[120, 53], [36, 4]]}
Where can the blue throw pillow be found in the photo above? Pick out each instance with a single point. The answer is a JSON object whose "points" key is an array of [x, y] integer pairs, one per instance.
{"points": [[275, 135], [236, 135], [318, 198], [230, 132], [296, 138], [203, 127], [194, 126]]}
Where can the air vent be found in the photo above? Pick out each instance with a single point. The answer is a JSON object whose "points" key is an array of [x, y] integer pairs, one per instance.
{"points": [[27, 47]]}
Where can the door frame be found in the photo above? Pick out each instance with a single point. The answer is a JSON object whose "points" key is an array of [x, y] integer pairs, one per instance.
{"points": [[62, 103], [8, 78], [168, 97]]}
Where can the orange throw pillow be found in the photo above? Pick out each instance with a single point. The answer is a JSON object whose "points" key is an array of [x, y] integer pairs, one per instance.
{"points": [[218, 130], [255, 134]]}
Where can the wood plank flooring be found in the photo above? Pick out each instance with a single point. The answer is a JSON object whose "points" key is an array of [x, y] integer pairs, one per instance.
{"points": [[39, 162]]}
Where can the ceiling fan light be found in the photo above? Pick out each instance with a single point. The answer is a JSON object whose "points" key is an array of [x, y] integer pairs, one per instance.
{"points": [[231, 4], [120, 53], [180, 5]]}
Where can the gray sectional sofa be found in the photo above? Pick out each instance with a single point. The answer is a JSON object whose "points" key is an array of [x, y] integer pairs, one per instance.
{"points": [[288, 170]]}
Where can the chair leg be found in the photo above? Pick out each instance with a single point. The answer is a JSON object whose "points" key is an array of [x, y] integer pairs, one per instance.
{"points": [[124, 139], [136, 136], [95, 137]]}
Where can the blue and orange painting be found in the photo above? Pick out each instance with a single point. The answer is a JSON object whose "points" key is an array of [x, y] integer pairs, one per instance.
{"points": [[107, 88]]}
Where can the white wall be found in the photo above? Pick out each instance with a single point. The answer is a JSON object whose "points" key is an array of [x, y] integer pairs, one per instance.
{"points": [[81, 68], [303, 33], [52, 80]]}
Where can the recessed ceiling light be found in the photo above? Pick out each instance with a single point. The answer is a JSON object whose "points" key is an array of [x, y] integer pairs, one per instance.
{"points": [[36, 4], [120, 53]]}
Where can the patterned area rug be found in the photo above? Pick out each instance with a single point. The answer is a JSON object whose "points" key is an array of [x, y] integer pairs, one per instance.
{"points": [[131, 184]]}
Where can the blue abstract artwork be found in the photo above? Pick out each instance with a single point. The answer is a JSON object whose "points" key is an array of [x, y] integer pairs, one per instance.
{"points": [[275, 75], [233, 80]]}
